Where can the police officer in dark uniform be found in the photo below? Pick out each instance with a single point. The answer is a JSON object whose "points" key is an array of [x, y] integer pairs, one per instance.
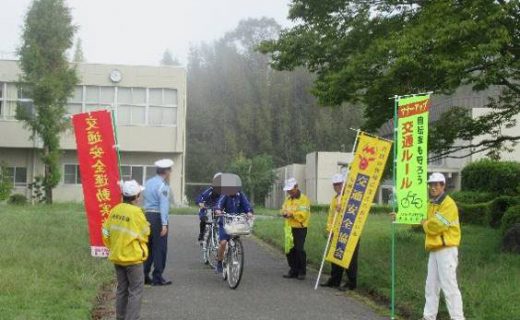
{"points": [[157, 205]]}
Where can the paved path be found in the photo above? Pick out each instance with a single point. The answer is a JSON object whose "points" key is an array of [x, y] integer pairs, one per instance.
{"points": [[198, 293]]}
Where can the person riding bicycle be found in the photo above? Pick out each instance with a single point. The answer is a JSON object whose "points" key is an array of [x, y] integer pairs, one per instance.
{"points": [[232, 201], [206, 200]]}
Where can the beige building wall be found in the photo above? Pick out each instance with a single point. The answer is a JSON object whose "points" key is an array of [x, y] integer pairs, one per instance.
{"points": [[141, 143], [277, 196]]}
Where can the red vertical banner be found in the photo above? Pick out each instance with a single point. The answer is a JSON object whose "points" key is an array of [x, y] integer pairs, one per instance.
{"points": [[99, 170]]}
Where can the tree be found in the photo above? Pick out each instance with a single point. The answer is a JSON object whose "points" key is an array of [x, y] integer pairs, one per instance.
{"points": [[168, 59], [78, 53], [257, 175], [6, 182], [48, 79], [369, 50]]}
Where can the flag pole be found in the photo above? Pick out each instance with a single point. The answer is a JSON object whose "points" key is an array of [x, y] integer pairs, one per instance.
{"points": [[335, 216], [394, 202], [116, 146]]}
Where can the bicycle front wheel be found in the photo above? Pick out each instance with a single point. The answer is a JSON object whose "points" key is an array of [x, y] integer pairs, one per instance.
{"points": [[235, 265], [212, 247]]}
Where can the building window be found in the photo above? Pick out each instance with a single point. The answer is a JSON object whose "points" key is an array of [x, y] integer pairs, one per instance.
{"points": [[18, 176], [151, 171], [131, 109], [132, 173], [71, 174], [2, 89], [163, 107], [75, 103], [98, 98]]}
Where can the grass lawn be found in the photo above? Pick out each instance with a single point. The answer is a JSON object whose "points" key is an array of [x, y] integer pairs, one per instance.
{"points": [[489, 280], [46, 268]]}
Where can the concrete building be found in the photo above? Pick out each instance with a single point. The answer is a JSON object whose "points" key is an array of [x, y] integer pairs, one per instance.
{"points": [[150, 111], [314, 177]]}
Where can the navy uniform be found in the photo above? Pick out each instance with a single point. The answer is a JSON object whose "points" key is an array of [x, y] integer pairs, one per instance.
{"points": [[157, 205]]}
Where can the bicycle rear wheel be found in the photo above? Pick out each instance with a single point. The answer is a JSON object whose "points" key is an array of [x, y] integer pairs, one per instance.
{"points": [[205, 246], [235, 265]]}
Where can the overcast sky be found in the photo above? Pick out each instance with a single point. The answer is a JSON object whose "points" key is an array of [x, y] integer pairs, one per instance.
{"points": [[138, 32]]}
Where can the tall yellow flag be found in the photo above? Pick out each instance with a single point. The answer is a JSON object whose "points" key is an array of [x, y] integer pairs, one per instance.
{"points": [[361, 186]]}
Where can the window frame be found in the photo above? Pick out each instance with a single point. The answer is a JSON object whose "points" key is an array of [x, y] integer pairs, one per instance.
{"points": [[77, 175], [13, 180]]}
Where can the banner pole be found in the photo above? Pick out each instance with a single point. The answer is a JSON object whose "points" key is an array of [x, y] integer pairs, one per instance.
{"points": [[117, 145], [335, 217], [394, 206]]}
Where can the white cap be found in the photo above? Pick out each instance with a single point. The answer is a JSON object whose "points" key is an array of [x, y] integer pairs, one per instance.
{"points": [[289, 184], [337, 178], [164, 163], [131, 188], [437, 177]]}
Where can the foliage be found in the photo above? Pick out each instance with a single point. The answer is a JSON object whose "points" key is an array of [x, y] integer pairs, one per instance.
{"points": [[37, 189], [498, 207], [78, 57], [380, 208], [254, 109], [473, 213], [17, 199], [47, 79], [491, 176], [511, 217], [511, 240], [485, 275], [47, 270], [319, 208], [370, 50], [168, 59], [471, 197], [257, 175], [6, 183]]}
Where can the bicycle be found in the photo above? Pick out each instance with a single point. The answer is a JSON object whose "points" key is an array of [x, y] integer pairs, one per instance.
{"points": [[233, 263], [210, 243]]}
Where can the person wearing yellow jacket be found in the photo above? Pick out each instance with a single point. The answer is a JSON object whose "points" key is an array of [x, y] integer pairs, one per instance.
{"points": [[442, 229], [336, 272], [296, 209], [125, 234]]}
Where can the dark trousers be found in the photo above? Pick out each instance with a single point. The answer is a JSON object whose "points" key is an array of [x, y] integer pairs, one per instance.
{"points": [[297, 257], [336, 272], [157, 248], [130, 283], [202, 227]]}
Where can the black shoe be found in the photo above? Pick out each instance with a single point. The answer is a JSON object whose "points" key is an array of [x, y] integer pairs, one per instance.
{"points": [[301, 277], [147, 280], [201, 237], [329, 284], [162, 283], [290, 276], [347, 286]]}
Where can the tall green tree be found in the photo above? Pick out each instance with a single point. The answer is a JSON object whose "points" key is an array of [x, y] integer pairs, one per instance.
{"points": [[6, 182], [48, 79], [239, 104], [256, 173], [168, 59], [369, 50], [78, 52]]}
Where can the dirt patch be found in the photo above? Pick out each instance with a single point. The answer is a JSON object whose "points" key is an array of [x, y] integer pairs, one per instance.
{"points": [[104, 307]]}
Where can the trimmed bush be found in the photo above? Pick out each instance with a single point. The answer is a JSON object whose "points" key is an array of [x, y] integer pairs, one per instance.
{"points": [[17, 199], [471, 197], [380, 208], [473, 213], [500, 177], [498, 207], [317, 208], [511, 240], [511, 217]]}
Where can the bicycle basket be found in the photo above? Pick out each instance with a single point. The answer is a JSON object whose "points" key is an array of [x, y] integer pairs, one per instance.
{"points": [[237, 225]]}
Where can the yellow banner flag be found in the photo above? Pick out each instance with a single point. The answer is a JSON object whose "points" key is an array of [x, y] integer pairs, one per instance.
{"points": [[360, 188]]}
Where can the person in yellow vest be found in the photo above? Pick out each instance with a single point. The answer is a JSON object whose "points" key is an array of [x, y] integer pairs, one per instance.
{"points": [[442, 229], [125, 234], [296, 209], [336, 272]]}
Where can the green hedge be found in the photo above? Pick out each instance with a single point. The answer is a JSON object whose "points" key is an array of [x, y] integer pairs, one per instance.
{"points": [[500, 177], [380, 208], [511, 217], [472, 196], [316, 208], [473, 213], [498, 207]]}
